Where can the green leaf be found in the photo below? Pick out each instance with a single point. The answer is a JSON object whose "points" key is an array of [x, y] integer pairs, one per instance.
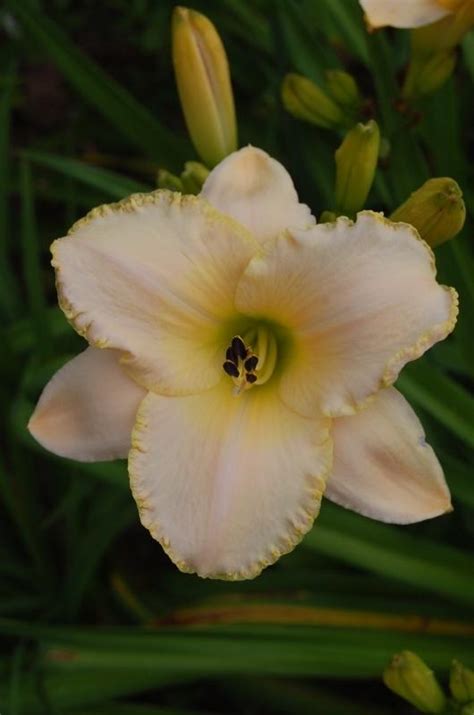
{"points": [[8, 289], [112, 100], [393, 552], [426, 386], [300, 651], [109, 182], [32, 263]]}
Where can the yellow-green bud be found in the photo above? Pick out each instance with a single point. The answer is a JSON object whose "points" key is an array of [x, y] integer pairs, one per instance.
{"points": [[468, 709], [193, 177], [446, 33], [356, 162], [461, 22], [305, 100], [408, 676], [203, 79], [461, 682], [343, 89], [426, 74], [328, 217], [166, 180], [432, 49], [436, 210]]}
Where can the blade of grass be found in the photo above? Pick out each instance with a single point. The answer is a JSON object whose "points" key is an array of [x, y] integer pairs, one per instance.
{"points": [[280, 697], [461, 479], [32, 264], [15, 679], [109, 516], [41, 694], [306, 55], [9, 300], [426, 386], [347, 21], [300, 651], [112, 100], [20, 336], [393, 553], [111, 183]]}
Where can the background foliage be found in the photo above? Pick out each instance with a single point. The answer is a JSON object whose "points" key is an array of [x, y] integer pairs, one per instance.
{"points": [[93, 617]]}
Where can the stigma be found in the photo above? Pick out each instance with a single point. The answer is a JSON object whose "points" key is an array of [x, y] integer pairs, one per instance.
{"points": [[250, 360]]}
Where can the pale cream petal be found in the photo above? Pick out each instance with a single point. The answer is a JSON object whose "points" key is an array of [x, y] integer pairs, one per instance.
{"points": [[360, 300], [87, 410], [226, 483], [403, 13], [258, 192], [155, 277], [383, 467]]}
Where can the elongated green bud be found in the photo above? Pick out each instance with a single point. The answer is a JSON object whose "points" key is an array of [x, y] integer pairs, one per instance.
{"points": [[436, 210], [305, 100], [432, 49], [427, 74], [167, 180], [356, 162], [446, 33], [343, 89], [193, 177], [408, 676], [462, 22], [203, 79], [461, 682]]}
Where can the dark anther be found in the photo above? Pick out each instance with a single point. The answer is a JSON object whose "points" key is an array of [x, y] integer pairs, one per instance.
{"points": [[238, 347], [230, 368], [250, 378], [230, 355], [251, 363]]}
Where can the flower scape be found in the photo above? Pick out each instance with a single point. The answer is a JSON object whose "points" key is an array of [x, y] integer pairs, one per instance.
{"points": [[244, 358]]}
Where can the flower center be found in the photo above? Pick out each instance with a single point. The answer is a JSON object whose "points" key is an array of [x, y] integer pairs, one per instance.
{"points": [[250, 360]]}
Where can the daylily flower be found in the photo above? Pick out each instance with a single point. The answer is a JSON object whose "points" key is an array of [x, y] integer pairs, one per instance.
{"points": [[408, 13], [232, 342]]}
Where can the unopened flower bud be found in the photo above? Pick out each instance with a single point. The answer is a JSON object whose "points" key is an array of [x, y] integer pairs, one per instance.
{"points": [[193, 177], [446, 33], [356, 162], [461, 22], [436, 210], [343, 89], [408, 676], [167, 180], [305, 100], [427, 74], [203, 79], [461, 683], [328, 217]]}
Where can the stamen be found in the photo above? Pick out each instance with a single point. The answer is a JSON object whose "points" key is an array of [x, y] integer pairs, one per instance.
{"points": [[251, 363], [238, 347], [231, 369], [230, 355], [246, 366]]}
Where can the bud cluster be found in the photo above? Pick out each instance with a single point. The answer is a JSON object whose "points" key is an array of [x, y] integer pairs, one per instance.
{"points": [[409, 677]]}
